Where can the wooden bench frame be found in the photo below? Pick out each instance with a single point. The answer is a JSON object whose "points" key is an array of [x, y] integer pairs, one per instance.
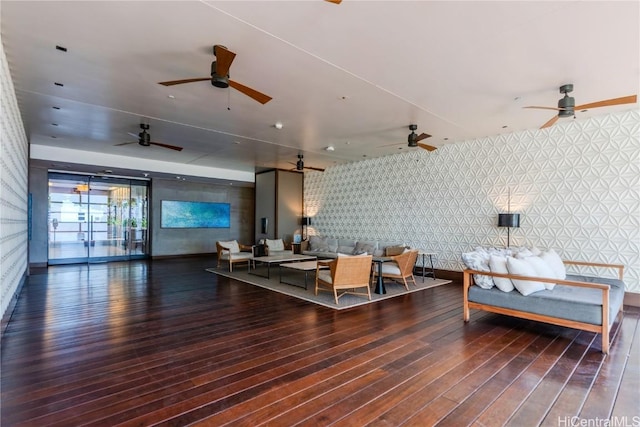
{"points": [[604, 329]]}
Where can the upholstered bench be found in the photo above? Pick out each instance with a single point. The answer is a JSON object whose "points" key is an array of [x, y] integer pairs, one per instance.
{"points": [[582, 302]]}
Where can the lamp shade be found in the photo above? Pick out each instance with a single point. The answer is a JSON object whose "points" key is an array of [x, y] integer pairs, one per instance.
{"points": [[509, 220], [306, 220]]}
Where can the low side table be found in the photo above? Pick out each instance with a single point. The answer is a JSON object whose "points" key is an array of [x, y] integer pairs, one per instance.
{"points": [[431, 273], [305, 266]]}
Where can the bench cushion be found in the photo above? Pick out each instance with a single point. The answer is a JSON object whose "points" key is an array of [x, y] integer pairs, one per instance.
{"points": [[564, 301]]}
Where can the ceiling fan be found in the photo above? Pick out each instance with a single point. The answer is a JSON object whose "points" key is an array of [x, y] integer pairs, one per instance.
{"points": [[334, 1], [413, 140], [144, 139], [567, 105], [300, 167], [220, 76]]}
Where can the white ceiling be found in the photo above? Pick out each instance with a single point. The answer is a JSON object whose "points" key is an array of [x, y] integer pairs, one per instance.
{"points": [[353, 75]]}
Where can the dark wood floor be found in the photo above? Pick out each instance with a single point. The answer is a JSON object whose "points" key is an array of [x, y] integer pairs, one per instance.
{"points": [[164, 342]]}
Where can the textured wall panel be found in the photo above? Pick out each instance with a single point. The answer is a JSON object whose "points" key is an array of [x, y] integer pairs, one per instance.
{"points": [[13, 190], [576, 186]]}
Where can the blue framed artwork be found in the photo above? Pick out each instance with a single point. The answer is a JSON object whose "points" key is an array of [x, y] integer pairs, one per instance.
{"points": [[178, 214]]}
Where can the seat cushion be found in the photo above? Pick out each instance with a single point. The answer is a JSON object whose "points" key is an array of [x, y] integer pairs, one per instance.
{"points": [[390, 268], [563, 301], [236, 256], [325, 276]]}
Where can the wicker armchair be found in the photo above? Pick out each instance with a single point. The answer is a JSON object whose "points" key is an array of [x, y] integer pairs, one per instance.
{"points": [[346, 274], [233, 253], [400, 268]]}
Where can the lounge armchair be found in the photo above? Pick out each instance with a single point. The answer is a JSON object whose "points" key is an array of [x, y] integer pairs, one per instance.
{"points": [[276, 247], [233, 253], [346, 273], [400, 268]]}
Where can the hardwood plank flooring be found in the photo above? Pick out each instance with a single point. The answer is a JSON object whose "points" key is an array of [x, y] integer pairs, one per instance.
{"points": [[165, 343]]}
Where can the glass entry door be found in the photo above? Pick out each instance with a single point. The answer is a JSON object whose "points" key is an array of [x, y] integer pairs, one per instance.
{"points": [[96, 219]]}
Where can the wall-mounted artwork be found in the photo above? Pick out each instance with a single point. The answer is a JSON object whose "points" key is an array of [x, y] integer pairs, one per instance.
{"points": [[178, 214]]}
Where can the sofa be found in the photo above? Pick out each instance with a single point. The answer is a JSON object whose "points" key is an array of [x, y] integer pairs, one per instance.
{"points": [[329, 247], [541, 289]]}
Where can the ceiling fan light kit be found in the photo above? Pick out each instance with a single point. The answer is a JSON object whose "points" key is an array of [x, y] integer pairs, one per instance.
{"points": [[566, 104]]}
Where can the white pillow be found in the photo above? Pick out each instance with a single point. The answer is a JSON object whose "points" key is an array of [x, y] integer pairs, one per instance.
{"points": [[554, 261], [479, 261], [542, 269], [275, 245], [498, 264], [232, 245], [523, 268]]}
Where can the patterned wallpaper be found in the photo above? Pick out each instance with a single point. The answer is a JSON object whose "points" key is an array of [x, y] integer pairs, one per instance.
{"points": [[13, 190], [576, 186]]}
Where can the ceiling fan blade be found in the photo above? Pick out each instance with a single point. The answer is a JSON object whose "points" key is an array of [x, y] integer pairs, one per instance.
{"points": [[422, 136], [334, 1], [126, 143], [392, 145], [314, 169], [224, 58], [550, 122], [252, 93], [631, 99], [427, 147], [179, 82], [545, 108], [170, 147]]}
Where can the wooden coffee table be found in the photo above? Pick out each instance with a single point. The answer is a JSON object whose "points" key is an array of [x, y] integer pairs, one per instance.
{"points": [[278, 259], [305, 266]]}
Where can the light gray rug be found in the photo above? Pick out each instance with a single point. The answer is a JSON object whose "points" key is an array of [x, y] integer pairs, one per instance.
{"points": [[323, 298]]}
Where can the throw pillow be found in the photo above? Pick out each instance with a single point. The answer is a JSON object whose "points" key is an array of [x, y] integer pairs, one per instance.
{"points": [[318, 244], [479, 261], [554, 261], [542, 269], [393, 250], [364, 248], [498, 264], [523, 268]]}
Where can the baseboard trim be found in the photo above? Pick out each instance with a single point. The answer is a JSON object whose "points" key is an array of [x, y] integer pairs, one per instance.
{"points": [[212, 254], [632, 299], [6, 317]]}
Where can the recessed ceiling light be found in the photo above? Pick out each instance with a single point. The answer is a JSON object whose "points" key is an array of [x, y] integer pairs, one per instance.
{"points": [[278, 125], [171, 97], [330, 148]]}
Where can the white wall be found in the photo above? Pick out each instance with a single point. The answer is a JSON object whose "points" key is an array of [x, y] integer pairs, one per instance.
{"points": [[576, 186], [13, 190]]}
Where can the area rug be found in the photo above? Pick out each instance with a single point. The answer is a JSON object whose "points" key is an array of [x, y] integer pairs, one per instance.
{"points": [[297, 290]]}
